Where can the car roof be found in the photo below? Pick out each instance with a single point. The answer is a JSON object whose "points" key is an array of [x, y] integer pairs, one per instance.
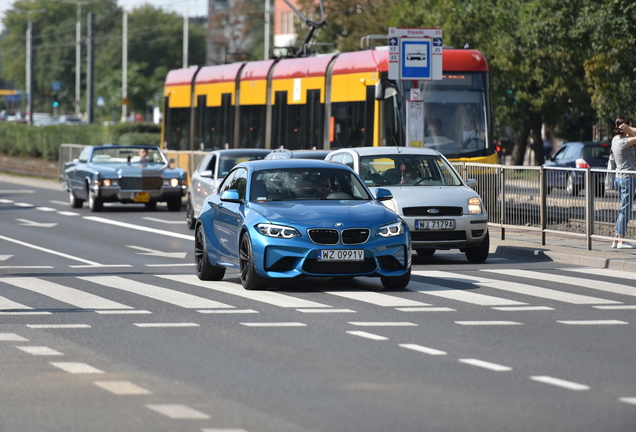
{"points": [[125, 146], [291, 163], [241, 151], [391, 150]]}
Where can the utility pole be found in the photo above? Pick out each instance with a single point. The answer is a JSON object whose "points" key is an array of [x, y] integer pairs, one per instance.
{"points": [[124, 69], [90, 67], [78, 49], [29, 61], [185, 38], [267, 17]]}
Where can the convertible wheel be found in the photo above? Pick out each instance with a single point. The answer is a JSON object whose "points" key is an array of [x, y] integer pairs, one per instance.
{"points": [[75, 202], [249, 279], [174, 204], [396, 282], [95, 204], [479, 254], [425, 252], [190, 219], [205, 270]]}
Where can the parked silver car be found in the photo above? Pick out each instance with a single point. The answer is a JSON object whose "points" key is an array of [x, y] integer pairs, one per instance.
{"points": [[441, 210], [211, 171]]}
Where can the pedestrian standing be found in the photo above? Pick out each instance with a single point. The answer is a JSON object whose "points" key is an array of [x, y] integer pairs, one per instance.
{"points": [[623, 150]]}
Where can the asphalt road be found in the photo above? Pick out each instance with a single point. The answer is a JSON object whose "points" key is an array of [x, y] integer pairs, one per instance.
{"points": [[104, 326]]}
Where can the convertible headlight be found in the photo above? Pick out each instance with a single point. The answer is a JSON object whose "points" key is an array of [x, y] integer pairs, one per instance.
{"points": [[174, 182], [391, 230], [474, 206], [278, 231]]}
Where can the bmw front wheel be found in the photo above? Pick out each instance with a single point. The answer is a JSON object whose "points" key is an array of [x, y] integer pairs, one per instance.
{"points": [[396, 282]]}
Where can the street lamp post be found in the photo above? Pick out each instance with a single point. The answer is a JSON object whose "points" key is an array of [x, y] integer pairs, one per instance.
{"points": [[78, 49]]}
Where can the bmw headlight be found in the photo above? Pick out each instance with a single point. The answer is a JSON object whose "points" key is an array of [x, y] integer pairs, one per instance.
{"points": [[474, 206], [391, 230], [278, 231]]}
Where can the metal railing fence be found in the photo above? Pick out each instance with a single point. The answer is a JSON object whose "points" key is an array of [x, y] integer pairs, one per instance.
{"points": [[548, 200]]}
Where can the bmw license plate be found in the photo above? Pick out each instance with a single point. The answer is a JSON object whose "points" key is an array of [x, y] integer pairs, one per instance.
{"points": [[340, 255], [435, 224], [142, 197]]}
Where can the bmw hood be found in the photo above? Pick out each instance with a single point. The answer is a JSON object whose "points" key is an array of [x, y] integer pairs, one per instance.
{"points": [[427, 196], [325, 213]]}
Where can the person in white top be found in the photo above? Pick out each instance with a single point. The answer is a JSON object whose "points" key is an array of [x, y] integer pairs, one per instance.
{"points": [[623, 151]]}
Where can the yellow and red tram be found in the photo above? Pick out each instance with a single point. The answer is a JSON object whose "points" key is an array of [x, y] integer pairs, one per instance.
{"points": [[328, 101]]}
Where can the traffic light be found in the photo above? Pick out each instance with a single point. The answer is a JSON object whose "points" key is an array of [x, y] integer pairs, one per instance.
{"points": [[56, 103]]}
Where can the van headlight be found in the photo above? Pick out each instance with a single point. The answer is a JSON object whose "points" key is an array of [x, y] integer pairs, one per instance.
{"points": [[474, 206], [391, 230]]}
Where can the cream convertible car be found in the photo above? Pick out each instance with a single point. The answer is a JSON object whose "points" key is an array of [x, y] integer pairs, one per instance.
{"points": [[441, 210]]}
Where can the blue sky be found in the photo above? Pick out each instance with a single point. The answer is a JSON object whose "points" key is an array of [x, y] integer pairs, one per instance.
{"points": [[195, 7]]}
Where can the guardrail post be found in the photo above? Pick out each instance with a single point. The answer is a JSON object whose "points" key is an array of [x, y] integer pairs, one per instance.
{"points": [[543, 204], [589, 208]]}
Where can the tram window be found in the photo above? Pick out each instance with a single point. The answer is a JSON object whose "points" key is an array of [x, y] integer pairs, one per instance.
{"points": [[176, 133], [252, 126]]}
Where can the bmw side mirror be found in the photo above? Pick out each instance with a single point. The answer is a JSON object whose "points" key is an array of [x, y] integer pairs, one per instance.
{"points": [[232, 196], [383, 194]]}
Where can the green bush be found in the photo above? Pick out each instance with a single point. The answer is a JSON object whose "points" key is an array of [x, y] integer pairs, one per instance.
{"points": [[44, 142]]}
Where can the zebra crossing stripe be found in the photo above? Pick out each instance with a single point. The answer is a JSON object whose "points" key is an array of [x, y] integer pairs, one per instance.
{"points": [[461, 295]]}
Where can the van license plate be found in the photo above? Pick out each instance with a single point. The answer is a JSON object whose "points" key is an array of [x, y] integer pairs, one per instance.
{"points": [[435, 224]]}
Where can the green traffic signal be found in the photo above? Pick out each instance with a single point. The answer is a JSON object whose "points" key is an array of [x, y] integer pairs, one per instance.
{"points": [[56, 103]]}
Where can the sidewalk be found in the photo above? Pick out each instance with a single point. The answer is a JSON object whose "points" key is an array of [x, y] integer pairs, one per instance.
{"points": [[566, 249]]}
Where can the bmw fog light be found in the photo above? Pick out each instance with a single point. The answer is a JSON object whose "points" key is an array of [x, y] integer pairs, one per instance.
{"points": [[391, 230]]}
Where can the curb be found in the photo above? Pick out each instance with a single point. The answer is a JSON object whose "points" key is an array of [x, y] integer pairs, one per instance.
{"points": [[628, 264]]}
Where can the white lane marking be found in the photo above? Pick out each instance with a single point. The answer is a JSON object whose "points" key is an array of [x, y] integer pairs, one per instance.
{"points": [[122, 387], [619, 307], [5, 257], [376, 298], [162, 294], [100, 266], [152, 252], [172, 265], [268, 297], [382, 324], [68, 213], [163, 221], [629, 400], [523, 308], [273, 324], [593, 322], [486, 365], [26, 267], [367, 335], [166, 325], [26, 222], [62, 293], [22, 204], [63, 255], [138, 227], [426, 309], [179, 412], [5, 201], [222, 430], [487, 323], [610, 287], [619, 274], [40, 350], [423, 349], [15, 191], [518, 288], [59, 202], [123, 312], [58, 326], [12, 337], [26, 313], [6, 304], [45, 209], [560, 383], [227, 311], [326, 310], [465, 296], [77, 368]]}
